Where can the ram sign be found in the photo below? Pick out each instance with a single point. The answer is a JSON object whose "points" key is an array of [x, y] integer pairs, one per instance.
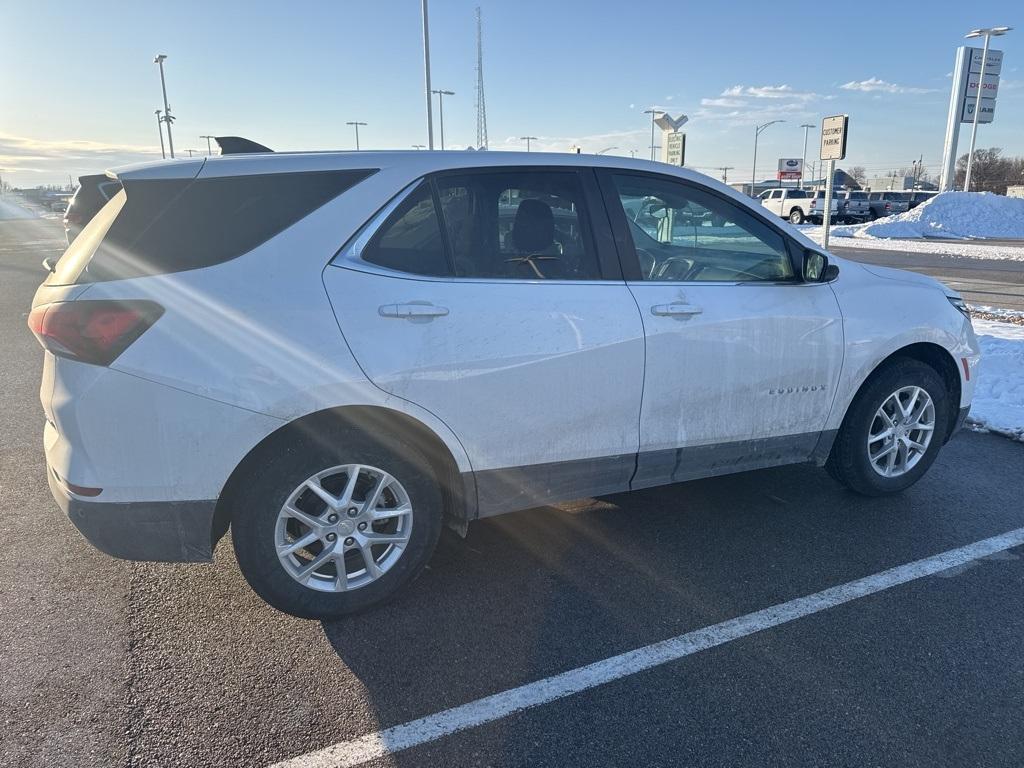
{"points": [[790, 168]]}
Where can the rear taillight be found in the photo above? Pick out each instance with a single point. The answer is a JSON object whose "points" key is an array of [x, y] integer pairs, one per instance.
{"points": [[92, 331], [888, 206]]}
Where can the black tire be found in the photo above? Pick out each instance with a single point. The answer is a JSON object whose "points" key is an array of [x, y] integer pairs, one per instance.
{"points": [[256, 503], [796, 216], [848, 461]]}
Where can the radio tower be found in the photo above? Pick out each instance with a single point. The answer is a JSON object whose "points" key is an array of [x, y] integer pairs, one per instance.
{"points": [[481, 108]]}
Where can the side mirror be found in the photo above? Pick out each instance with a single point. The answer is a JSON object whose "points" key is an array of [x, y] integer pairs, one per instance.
{"points": [[816, 268], [49, 265]]}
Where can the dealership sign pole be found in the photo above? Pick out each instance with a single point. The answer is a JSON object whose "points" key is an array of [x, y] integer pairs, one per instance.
{"points": [[970, 94], [833, 147]]}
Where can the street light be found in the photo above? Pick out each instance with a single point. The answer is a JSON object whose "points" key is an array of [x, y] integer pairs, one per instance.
{"points": [[160, 127], [987, 33], [209, 149], [440, 110], [606, 149], [753, 173], [803, 162], [527, 139], [356, 124], [653, 113], [159, 61]]}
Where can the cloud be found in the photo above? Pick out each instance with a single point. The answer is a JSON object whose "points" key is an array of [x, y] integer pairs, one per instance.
{"points": [[31, 161], [877, 85], [723, 102], [769, 92]]}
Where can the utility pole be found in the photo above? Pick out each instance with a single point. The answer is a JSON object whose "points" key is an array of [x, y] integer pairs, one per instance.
{"points": [[159, 60], [440, 110], [426, 77], [725, 172], [209, 149], [653, 113], [356, 124], [803, 162], [528, 139], [160, 127]]}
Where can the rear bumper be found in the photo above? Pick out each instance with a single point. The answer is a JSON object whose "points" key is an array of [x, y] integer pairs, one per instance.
{"points": [[162, 531]]}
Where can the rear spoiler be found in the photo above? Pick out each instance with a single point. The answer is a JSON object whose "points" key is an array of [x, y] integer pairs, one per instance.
{"points": [[236, 145]]}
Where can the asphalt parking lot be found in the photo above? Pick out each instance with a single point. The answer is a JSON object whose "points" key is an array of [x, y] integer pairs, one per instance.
{"points": [[113, 663]]}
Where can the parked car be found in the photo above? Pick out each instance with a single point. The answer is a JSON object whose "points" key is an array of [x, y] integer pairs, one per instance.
{"points": [[886, 204], [92, 194], [853, 206], [337, 354], [796, 205], [919, 196]]}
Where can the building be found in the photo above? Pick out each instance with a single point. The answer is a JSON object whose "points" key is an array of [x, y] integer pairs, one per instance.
{"points": [[1015, 190]]}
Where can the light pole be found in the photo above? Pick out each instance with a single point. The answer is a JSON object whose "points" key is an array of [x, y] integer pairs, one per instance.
{"points": [[987, 33], [190, 151], [356, 124], [803, 162], [606, 149], [160, 127], [528, 139], [159, 61], [209, 149], [653, 113], [426, 77], [758, 129], [440, 110]]}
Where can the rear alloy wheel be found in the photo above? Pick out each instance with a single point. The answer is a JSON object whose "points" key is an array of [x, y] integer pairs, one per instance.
{"points": [[893, 430], [796, 216], [343, 528], [330, 524]]}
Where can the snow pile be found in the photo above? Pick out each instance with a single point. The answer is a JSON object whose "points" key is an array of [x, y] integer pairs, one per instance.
{"points": [[951, 214], [999, 396]]}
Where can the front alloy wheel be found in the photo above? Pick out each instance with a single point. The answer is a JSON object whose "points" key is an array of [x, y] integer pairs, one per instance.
{"points": [[901, 431]]}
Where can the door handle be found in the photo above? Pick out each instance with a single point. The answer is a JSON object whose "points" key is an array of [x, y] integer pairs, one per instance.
{"points": [[676, 309], [412, 311]]}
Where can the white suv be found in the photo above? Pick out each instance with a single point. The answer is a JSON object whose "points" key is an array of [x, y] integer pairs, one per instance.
{"points": [[337, 354]]}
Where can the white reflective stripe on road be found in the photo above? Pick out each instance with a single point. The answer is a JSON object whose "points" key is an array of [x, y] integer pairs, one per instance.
{"points": [[491, 708]]}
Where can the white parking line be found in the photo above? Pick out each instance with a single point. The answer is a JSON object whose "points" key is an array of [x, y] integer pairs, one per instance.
{"points": [[491, 708]]}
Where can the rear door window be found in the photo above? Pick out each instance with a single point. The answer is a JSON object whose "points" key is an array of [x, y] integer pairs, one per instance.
{"points": [[159, 226]]}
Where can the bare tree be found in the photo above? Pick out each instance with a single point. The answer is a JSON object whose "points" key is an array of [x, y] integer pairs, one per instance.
{"points": [[859, 174], [990, 172]]}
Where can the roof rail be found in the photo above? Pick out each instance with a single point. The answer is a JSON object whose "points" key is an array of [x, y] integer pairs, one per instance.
{"points": [[236, 145]]}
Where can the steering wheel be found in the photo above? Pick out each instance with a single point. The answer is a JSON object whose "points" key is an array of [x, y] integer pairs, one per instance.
{"points": [[647, 263]]}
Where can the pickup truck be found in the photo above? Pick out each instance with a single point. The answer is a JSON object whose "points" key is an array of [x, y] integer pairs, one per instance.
{"points": [[797, 205], [887, 204], [853, 206]]}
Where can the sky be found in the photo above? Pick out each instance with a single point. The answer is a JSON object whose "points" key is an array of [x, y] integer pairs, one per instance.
{"points": [[79, 89]]}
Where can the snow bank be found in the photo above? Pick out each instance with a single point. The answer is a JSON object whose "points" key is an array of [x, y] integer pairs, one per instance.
{"points": [[951, 214], [999, 396]]}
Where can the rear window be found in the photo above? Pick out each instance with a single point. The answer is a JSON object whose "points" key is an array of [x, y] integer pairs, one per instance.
{"points": [[897, 196], [161, 226], [858, 196]]}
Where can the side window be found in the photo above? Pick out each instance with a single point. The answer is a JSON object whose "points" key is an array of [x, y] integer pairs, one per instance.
{"points": [[777, 194], [527, 225], [681, 233], [411, 239]]}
